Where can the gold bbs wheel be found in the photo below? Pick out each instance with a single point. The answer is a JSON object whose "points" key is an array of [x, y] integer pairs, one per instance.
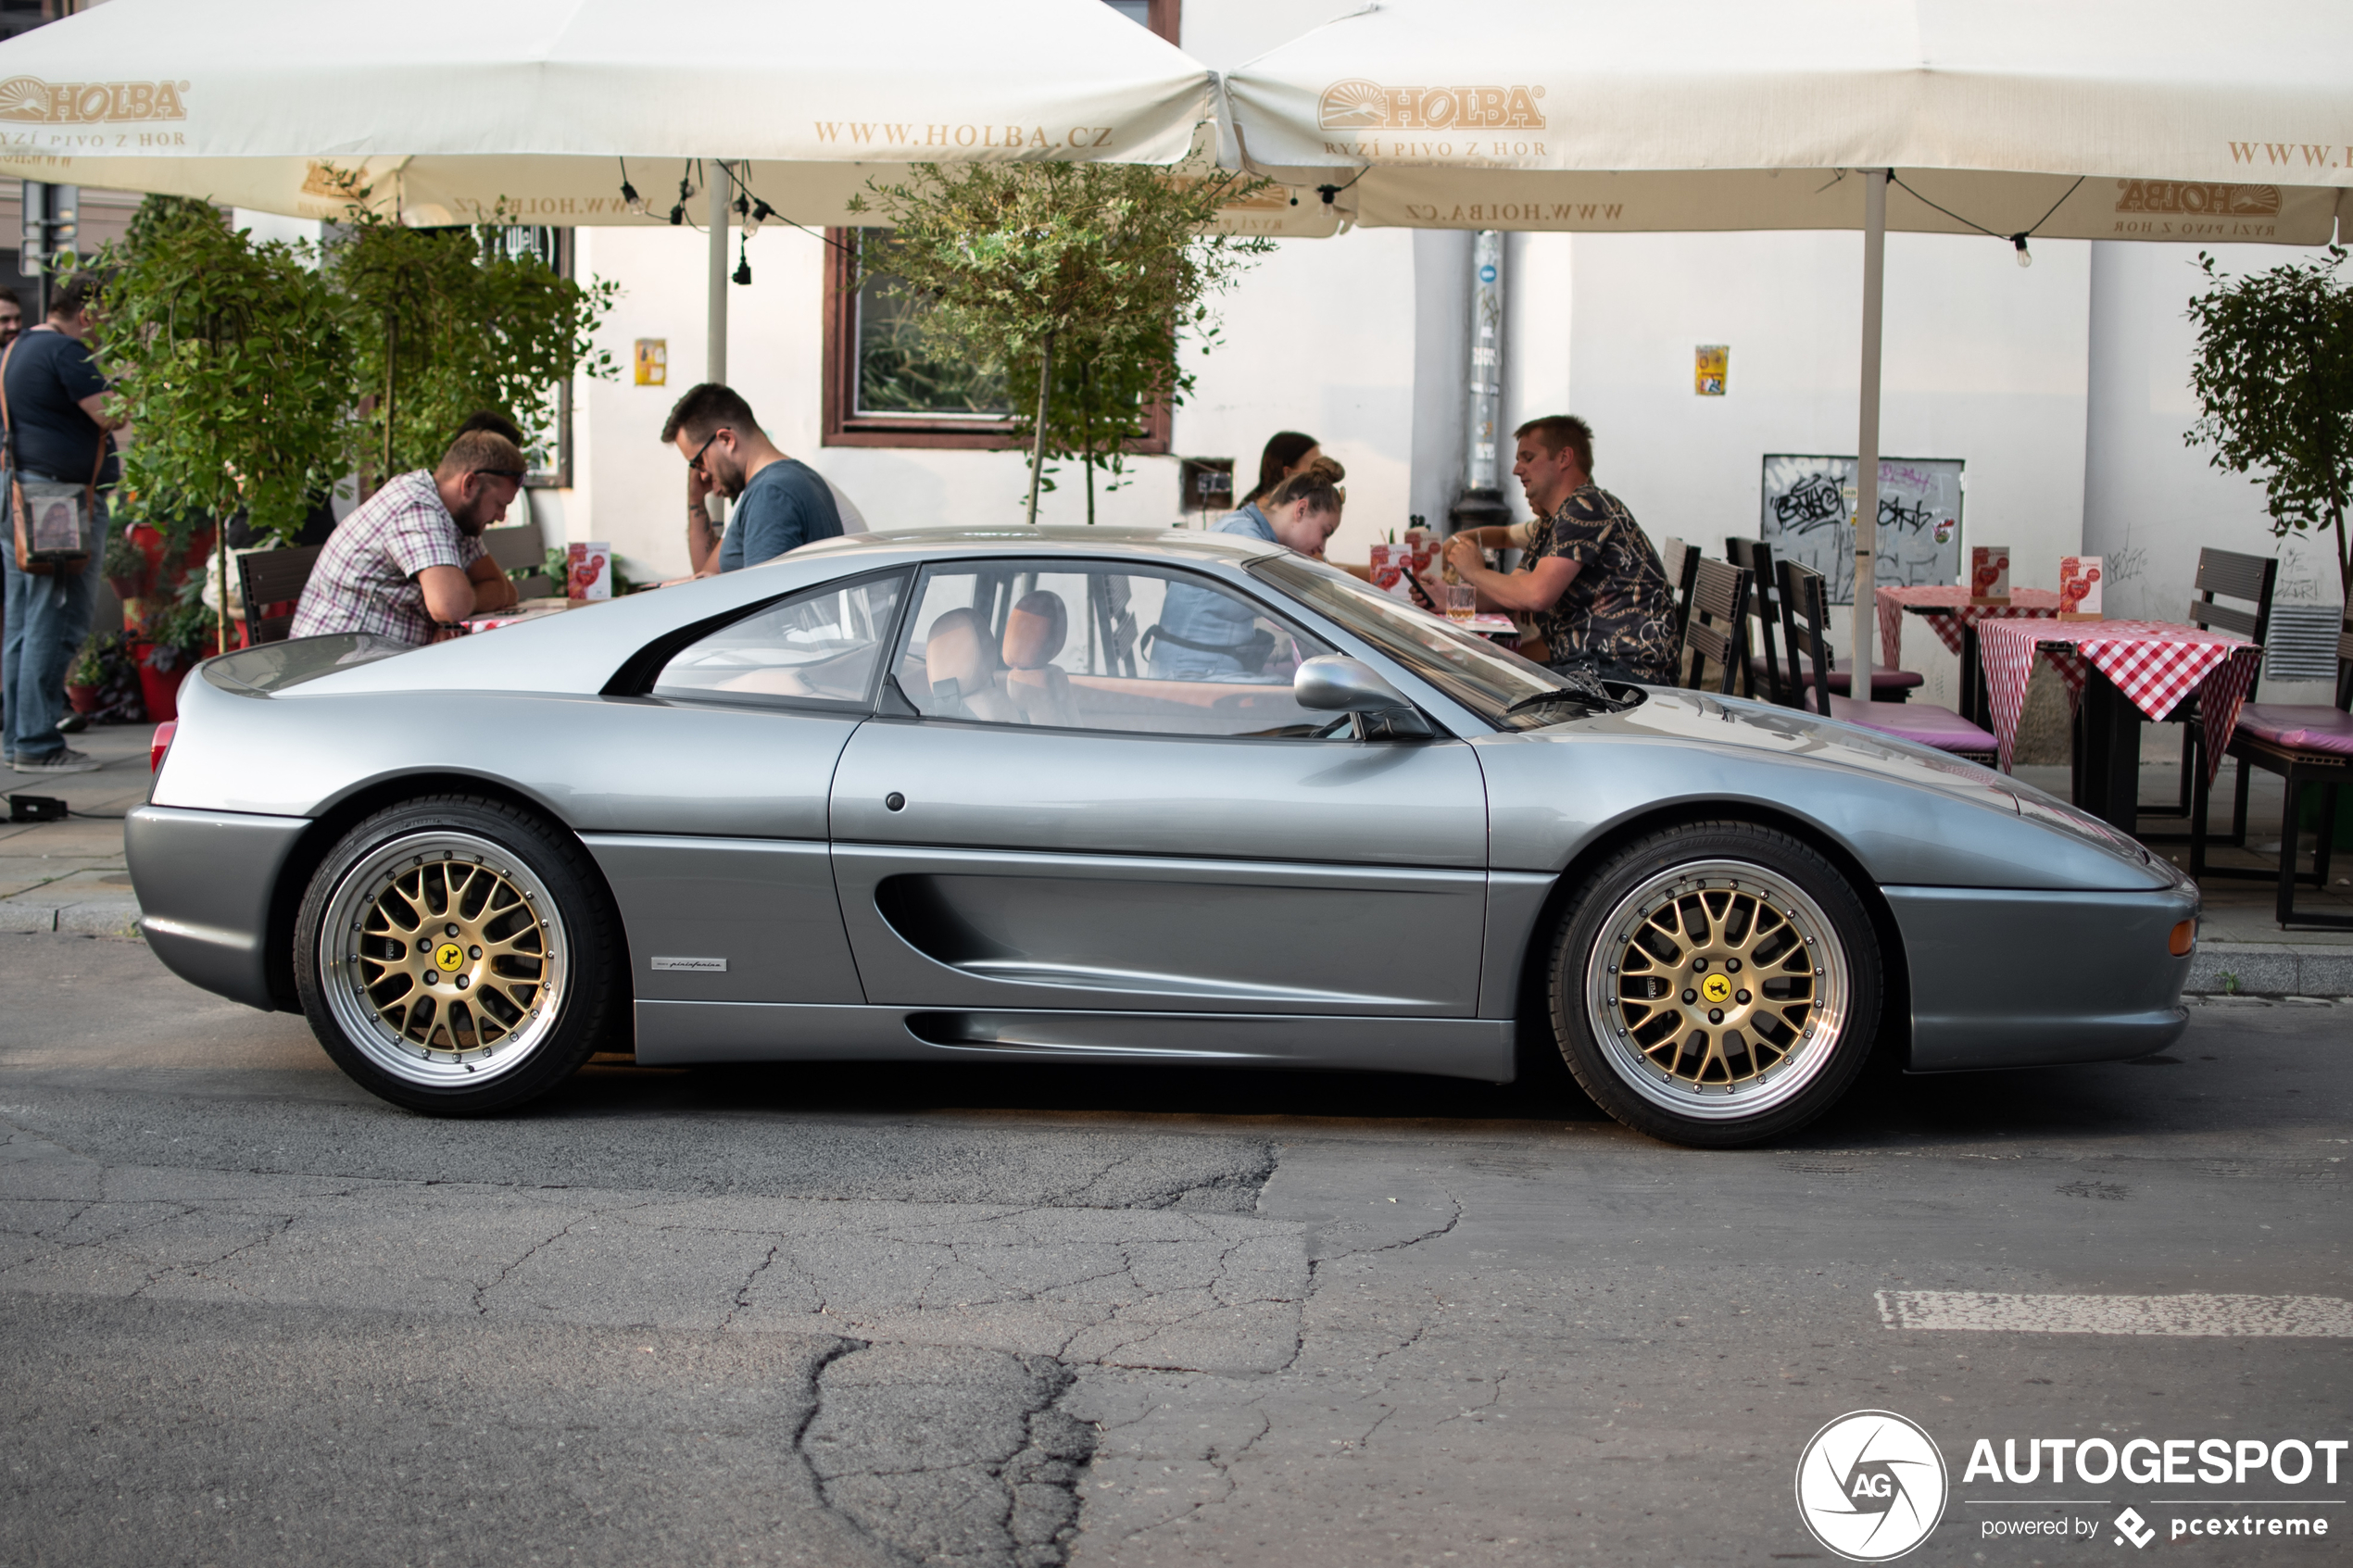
{"points": [[441, 957], [1717, 989]]}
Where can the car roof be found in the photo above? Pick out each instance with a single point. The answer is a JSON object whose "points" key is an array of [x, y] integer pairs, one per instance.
{"points": [[1173, 544]]}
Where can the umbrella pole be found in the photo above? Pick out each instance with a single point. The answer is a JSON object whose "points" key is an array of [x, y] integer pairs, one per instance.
{"points": [[715, 341], [1867, 432]]}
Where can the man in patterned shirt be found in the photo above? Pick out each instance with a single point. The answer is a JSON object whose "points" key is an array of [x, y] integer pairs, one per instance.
{"points": [[1592, 585], [410, 560]]}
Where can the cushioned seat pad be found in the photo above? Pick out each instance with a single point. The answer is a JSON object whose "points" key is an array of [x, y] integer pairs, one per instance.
{"points": [[1923, 723], [1842, 677], [2300, 727]]}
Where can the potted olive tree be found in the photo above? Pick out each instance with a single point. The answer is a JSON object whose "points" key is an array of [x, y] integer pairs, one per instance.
{"points": [[230, 362], [1075, 279]]}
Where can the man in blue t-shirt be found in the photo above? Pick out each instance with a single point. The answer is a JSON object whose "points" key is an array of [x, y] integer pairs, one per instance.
{"points": [[781, 503], [59, 419]]}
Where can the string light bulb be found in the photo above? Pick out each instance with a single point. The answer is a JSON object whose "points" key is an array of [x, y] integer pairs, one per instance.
{"points": [[2025, 256], [632, 200], [743, 264]]}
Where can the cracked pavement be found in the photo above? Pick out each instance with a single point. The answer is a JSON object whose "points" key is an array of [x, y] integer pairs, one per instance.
{"points": [[1027, 1316]]}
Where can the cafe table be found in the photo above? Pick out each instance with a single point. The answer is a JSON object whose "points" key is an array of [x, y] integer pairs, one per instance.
{"points": [[2117, 672], [1946, 609], [522, 610]]}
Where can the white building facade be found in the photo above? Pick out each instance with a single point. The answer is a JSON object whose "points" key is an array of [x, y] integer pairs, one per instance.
{"points": [[2062, 387]]}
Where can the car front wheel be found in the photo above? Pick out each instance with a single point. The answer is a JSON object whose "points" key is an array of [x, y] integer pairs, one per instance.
{"points": [[456, 955], [1716, 985]]}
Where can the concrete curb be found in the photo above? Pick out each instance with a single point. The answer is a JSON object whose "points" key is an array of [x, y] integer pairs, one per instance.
{"points": [[2270, 969], [114, 916]]}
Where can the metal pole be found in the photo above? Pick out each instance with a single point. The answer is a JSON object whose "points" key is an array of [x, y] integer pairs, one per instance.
{"points": [[715, 343], [1867, 432], [1482, 502]]}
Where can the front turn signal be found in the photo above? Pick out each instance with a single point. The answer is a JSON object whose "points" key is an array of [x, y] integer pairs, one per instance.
{"points": [[2185, 937]]}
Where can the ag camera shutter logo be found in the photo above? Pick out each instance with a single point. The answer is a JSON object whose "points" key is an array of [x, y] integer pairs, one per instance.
{"points": [[1870, 1485]]}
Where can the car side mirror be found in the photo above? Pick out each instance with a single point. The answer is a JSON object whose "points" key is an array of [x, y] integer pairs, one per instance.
{"points": [[1334, 682]]}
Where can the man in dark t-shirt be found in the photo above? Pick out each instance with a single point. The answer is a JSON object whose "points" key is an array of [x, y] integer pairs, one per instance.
{"points": [[59, 424], [1592, 588], [781, 503]]}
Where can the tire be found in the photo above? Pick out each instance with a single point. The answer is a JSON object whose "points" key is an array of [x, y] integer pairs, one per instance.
{"points": [[1690, 912], [504, 912]]}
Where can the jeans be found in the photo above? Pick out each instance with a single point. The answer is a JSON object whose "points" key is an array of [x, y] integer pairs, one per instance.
{"points": [[47, 619]]}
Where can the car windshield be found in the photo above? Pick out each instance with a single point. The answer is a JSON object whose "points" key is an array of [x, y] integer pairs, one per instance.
{"points": [[1500, 687]]}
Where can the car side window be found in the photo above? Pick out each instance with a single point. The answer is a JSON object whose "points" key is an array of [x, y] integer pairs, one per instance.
{"points": [[823, 647], [1082, 647]]}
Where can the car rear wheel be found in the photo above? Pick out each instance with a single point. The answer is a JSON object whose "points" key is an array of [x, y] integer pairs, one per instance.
{"points": [[1716, 985], [457, 955]]}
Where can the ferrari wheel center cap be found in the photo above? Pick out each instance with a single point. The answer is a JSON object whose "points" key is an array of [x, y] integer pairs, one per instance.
{"points": [[449, 958], [1716, 989]]}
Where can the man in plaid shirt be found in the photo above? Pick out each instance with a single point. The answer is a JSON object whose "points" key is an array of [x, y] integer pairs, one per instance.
{"points": [[410, 560]]}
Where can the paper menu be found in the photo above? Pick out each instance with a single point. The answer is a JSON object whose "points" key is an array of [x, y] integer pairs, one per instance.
{"points": [[2080, 587], [589, 573], [1989, 574]]}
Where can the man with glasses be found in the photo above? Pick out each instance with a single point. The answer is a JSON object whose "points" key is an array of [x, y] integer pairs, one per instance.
{"points": [[781, 503], [410, 563]]}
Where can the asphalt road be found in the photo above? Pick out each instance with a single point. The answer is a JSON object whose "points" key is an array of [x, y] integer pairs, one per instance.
{"points": [[987, 1316]]}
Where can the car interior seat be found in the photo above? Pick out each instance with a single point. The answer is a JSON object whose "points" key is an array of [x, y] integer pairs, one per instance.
{"points": [[961, 667], [1037, 686]]}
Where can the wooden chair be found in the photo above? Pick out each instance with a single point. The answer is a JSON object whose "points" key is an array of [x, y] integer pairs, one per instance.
{"points": [[1681, 562], [2250, 580], [1805, 614], [1764, 670], [1716, 624], [1887, 685], [272, 577], [2305, 743]]}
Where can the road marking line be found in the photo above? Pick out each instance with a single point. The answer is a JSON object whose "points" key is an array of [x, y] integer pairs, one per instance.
{"points": [[2233, 1316]]}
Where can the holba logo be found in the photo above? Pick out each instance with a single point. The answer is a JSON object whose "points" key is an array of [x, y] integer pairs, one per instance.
{"points": [[1870, 1485]]}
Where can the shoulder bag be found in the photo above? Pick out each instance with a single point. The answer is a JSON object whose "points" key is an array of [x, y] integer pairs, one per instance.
{"points": [[54, 521]]}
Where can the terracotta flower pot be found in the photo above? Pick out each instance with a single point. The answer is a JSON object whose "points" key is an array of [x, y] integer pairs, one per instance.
{"points": [[161, 689], [84, 698]]}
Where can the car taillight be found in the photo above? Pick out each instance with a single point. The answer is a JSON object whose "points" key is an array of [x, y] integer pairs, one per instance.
{"points": [[161, 742]]}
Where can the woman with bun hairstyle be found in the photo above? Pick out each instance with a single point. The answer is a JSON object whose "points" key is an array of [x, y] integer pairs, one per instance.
{"points": [[1203, 634]]}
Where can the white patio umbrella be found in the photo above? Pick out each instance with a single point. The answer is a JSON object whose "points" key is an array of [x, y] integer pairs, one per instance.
{"points": [[454, 110], [2125, 119]]}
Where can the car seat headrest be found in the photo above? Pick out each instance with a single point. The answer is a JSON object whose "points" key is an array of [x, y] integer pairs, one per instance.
{"points": [[1036, 631]]}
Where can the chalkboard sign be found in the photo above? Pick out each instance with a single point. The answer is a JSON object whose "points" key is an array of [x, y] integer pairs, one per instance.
{"points": [[1807, 501]]}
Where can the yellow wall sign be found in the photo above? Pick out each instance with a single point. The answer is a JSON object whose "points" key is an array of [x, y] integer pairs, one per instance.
{"points": [[1709, 362], [653, 361]]}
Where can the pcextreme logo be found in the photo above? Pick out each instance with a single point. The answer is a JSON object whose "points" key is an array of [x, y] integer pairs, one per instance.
{"points": [[85, 103], [1368, 106], [1870, 1485]]}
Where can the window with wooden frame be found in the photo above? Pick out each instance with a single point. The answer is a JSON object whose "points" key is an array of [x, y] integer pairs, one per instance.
{"points": [[881, 389]]}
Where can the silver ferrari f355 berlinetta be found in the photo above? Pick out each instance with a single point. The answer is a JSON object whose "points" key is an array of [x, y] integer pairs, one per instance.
{"points": [[1109, 797]]}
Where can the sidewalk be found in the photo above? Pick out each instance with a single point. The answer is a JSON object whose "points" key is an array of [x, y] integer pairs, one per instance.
{"points": [[69, 875]]}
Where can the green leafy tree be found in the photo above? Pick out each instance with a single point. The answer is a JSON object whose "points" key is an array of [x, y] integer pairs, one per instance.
{"points": [[229, 361], [2274, 381], [1074, 278], [443, 322]]}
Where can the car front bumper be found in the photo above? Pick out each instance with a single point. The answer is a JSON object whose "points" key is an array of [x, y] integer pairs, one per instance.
{"points": [[206, 881], [2016, 978]]}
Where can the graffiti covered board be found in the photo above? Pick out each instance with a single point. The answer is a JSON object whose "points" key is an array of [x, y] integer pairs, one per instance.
{"points": [[1807, 503]]}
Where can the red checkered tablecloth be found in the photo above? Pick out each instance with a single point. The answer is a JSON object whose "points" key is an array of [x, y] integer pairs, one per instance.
{"points": [[1945, 607], [2154, 664]]}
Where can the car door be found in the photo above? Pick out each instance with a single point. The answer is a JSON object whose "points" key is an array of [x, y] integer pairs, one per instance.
{"points": [[1098, 794], [722, 875]]}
